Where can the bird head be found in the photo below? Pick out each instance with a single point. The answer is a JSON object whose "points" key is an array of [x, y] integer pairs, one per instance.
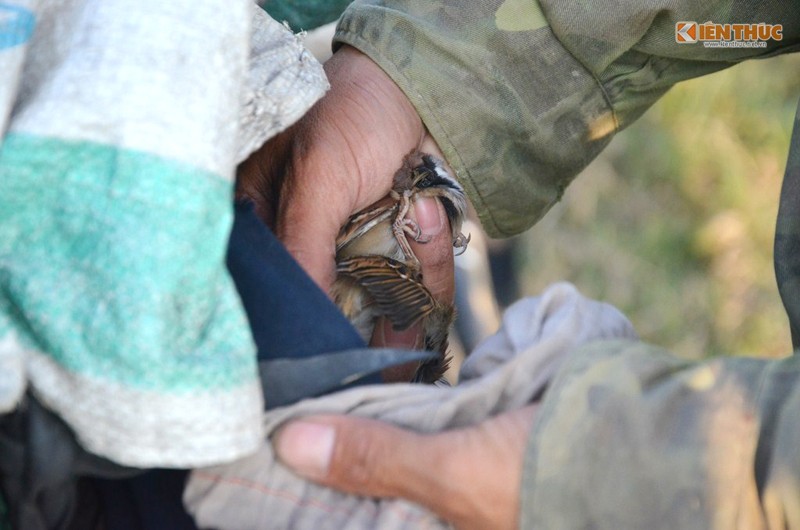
{"points": [[429, 178]]}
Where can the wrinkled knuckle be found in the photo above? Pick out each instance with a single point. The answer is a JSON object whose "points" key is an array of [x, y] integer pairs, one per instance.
{"points": [[365, 455], [361, 468]]}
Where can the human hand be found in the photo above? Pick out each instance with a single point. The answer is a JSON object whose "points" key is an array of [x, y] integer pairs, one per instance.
{"points": [[470, 477], [337, 160]]}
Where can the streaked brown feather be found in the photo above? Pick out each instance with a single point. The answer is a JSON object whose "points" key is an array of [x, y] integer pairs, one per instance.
{"points": [[394, 286]]}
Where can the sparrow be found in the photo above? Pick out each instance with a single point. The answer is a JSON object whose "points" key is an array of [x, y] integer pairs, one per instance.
{"points": [[377, 272]]}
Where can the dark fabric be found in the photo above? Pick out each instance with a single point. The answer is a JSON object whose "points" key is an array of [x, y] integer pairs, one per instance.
{"points": [[289, 315], [40, 463], [287, 381], [149, 501], [787, 236]]}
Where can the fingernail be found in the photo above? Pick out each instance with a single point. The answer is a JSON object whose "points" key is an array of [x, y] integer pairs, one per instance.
{"points": [[306, 447], [428, 216]]}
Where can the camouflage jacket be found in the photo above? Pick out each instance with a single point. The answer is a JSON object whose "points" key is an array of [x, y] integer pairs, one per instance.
{"points": [[521, 96]]}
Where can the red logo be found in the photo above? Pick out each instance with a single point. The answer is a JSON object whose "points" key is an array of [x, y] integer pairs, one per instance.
{"points": [[685, 32]]}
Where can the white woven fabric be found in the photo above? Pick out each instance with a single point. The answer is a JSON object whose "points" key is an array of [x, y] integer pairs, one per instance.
{"points": [[121, 125]]}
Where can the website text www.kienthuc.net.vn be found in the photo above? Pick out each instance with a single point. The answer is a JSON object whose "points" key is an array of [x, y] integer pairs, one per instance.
{"points": [[714, 35]]}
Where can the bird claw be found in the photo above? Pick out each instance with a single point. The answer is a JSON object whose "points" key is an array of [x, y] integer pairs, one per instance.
{"points": [[461, 242], [411, 228]]}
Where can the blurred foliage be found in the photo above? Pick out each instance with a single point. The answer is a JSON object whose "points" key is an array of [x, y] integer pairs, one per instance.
{"points": [[674, 223]]}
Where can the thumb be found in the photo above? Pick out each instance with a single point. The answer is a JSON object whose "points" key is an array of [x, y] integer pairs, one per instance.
{"points": [[360, 456], [470, 477]]}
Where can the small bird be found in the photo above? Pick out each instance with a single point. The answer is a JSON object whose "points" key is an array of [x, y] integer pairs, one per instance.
{"points": [[378, 273]]}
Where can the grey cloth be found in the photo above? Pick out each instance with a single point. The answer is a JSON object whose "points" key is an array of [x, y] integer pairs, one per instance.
{"points": [[506, 372]]}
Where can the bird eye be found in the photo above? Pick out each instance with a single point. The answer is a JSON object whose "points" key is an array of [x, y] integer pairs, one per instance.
{"points": [[425, 182]]}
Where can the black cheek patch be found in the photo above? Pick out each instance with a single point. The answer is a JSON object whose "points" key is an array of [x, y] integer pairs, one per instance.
{"points": [[450, 209]]}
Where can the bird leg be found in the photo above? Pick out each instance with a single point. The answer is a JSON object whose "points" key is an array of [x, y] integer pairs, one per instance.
{"points": [[412, 228], [402, 226]]}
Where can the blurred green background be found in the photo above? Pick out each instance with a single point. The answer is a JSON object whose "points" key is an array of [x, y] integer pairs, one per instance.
{"points": [[674, 223]]}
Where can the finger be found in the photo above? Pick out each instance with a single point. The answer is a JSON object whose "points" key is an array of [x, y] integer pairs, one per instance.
{"points": [[259, 177], [438, 275], [360, 456], [484, 472], [435, 248], [308, 223], [470, 477], [317, 196]]}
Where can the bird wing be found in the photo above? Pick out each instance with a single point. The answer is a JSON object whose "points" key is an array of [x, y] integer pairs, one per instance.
{"points": [[395, 287], [363, 222]]}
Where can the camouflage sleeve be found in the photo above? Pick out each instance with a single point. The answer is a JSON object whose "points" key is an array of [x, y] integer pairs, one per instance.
{"points": [[629, 436], [522, 95]]}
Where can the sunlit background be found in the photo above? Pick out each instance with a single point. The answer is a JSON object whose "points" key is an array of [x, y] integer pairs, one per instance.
{"points": [[674, 223]]}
